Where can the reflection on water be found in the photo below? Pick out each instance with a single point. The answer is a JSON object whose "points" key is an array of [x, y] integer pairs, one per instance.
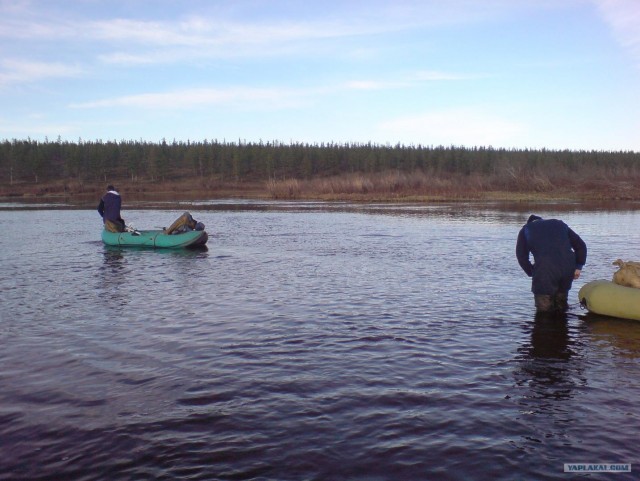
{"points": [[113, 272], [191, 252], [550, 336], [119, 279], [549, 362], [621, 336], [549, 377], [309, 341]]}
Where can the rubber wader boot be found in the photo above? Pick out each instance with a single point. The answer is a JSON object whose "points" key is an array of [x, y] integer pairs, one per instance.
{"points": [[560, 301], [544, 303]]}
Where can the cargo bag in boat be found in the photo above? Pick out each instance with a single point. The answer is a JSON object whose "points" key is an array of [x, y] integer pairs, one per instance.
{"points": [[628, 273]]}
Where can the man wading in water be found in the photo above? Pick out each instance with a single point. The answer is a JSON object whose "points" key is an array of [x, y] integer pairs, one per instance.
{"points": [[109, 209], [559, 255]]}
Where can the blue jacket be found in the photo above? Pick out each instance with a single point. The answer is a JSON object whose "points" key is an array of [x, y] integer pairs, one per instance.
{"points": [[553, 245], [109, 207]]}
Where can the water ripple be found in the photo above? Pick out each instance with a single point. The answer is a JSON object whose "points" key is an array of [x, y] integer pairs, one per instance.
{"points": [[306, 344]]}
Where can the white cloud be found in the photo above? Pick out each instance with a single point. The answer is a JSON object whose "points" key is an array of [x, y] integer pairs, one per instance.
{"points": [[433, 75], [242, 97], [153, 39], [409, 80], [623, 16], [14, 71], [372, 85], [467, 127], [256, 98], [202, 38], [137, 40]]}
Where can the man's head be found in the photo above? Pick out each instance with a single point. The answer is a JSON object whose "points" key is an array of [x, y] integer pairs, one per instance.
{"points": [[533, 218], [111, 187]]}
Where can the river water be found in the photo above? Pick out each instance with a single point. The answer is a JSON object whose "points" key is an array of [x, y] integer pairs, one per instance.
{"points": [[310, 341]]}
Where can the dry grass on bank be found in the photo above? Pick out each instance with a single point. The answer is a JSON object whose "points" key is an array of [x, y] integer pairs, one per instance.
{"points": [[181, 189], [420, 185], [509, 184]]}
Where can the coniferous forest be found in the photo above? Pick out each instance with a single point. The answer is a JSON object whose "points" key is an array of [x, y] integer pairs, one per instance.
{"points": [[298, 170]]}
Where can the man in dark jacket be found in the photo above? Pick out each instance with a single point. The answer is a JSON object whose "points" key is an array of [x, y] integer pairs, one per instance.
{"points": [[559, 255], [109, 209]]}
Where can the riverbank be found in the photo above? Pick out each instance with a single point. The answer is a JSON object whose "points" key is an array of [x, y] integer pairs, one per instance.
{"points": [[392, 186]]}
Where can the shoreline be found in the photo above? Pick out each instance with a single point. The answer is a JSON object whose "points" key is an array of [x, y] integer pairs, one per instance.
{"points": [[309, 190]]}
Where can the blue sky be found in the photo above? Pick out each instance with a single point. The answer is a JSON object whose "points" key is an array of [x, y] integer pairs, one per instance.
{"points": [[557, 74]]}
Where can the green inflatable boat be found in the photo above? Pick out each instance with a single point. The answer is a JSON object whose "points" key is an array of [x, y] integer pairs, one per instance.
{"points": [[610, 299], [155, 238]]}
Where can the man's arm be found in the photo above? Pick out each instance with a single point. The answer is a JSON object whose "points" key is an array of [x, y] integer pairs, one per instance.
{"points": [[580, 249], [522, 253]]}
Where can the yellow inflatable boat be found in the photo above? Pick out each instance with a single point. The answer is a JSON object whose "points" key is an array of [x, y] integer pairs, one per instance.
{"points": [[610, 299]]}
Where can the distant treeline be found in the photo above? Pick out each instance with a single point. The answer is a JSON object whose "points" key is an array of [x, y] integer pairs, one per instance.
{"points": [[90, 161]]}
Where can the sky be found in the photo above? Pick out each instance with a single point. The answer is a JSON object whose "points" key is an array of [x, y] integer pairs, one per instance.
{"points": [[554, 74]]}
